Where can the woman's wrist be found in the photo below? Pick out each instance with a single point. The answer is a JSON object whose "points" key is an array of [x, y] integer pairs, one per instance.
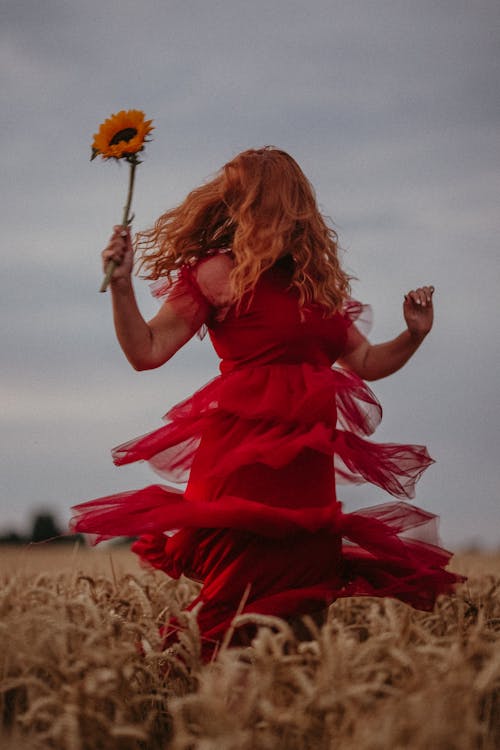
{"points": [[416, 337], [121, 286]]}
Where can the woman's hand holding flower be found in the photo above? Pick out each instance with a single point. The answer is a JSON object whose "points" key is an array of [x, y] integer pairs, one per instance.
{"points": [[418, 311], [119, 249]]}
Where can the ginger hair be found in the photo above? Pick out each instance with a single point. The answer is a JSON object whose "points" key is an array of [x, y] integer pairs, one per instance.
{"points": [[261, 206]]}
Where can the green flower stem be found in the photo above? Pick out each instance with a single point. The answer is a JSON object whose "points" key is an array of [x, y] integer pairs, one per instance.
{"points": [[125, 222]]}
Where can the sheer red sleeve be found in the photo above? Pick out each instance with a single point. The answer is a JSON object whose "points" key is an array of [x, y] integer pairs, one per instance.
{"points": [[198, 292], [357, 313]]}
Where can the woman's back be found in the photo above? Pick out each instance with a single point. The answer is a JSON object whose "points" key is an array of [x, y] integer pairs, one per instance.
{"points": [[268, 326]]}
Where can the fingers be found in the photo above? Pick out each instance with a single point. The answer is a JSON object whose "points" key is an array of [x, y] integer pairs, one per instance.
{"points": [[121, 236], [421, 296], [118, 245], [120, 231]]}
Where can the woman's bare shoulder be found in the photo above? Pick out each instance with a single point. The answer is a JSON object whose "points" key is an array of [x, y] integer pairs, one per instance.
{"points": [[212, 276]]}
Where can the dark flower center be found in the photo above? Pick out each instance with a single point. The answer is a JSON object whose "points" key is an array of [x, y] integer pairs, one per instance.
{"points": [[123, 135]]}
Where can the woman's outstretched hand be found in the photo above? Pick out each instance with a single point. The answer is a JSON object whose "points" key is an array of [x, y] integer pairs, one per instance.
{"points": [[119, 249], [418, 311], [375, 361]]}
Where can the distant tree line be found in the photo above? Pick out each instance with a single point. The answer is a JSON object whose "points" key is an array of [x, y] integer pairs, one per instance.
{"points": [[44, 528]]}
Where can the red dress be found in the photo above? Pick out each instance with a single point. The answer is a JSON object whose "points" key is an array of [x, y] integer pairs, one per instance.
{"points": [[262, 447]]}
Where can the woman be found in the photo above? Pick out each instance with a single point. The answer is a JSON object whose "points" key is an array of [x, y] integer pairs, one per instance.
{"points": [[249, 256]]}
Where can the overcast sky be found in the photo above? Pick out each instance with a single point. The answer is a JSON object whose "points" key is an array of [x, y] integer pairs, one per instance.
{"points": [[392, 110]]}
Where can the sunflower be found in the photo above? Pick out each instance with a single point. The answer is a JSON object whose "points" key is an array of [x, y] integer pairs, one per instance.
{"points": [[122, 136]]}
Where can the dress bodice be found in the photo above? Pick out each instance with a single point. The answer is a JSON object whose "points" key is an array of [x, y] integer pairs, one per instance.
{"points": [[269, 327]]}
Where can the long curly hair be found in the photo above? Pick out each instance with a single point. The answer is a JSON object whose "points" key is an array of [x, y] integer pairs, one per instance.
{"points": [[261, 206]]}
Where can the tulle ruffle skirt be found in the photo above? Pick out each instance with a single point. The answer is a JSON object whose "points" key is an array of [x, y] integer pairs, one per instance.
{"points": [[263, 449]]}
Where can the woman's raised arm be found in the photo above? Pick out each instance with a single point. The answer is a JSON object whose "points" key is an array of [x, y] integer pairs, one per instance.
{"points": [[376, 361], [146, 345]]}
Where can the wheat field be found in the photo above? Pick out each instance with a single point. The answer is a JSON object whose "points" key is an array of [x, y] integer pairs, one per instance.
{"points": [[82, 667]]}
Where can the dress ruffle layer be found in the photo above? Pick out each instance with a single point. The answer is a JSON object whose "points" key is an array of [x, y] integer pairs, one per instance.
{"points": [[268, 415], [388, 550]]}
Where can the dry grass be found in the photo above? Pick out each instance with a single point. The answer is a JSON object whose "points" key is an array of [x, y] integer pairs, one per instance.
{"points": [[378, 676]]}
